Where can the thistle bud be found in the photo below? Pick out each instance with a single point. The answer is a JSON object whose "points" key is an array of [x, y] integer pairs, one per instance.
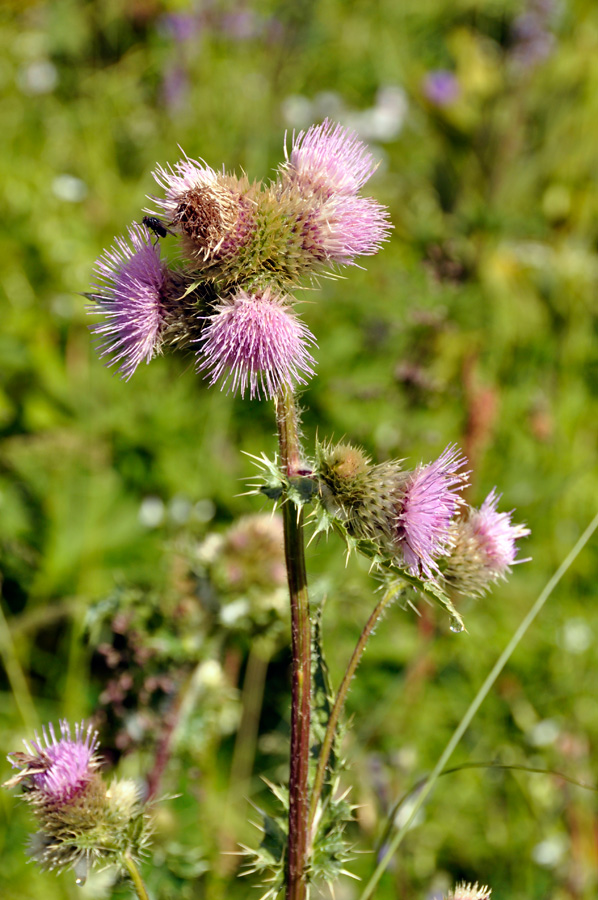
{"points": [[483, 547], [361, 495], [81, 822]]}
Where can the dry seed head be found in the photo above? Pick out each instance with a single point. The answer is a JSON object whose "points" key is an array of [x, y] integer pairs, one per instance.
{"points": [[205, 215]]}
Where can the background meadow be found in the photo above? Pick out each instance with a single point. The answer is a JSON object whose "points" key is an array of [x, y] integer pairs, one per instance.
{"points": [[476, 324]]}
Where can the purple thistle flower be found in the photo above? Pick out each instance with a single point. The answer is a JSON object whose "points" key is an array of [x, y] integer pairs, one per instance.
{"points": [[496, 535], [346, 226], [56, 769], [484, 547], [441, 87], [329, 159], [255, 341], [429, 502], [130, 286]]}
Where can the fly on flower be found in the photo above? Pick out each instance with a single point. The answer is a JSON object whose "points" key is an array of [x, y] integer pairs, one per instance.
{"points": [[157, 226]]}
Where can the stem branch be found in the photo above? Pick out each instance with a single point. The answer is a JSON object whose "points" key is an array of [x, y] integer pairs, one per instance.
{"points": [[135, 875], [339, 703]]}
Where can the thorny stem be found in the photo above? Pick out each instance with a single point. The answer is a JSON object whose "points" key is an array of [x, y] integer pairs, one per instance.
{"points": [[339, 703], [135, 875], [294, 548]]}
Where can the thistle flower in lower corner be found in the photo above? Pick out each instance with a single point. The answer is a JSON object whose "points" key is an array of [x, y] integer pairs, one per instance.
{"points": [[469, 892], [429, 501], [80, 821], [255, 342], [129, 292], [483, 547]]}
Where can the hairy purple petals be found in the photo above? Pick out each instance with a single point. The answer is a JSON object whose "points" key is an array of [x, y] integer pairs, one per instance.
{"points": [[496, 535], [346, 226], [483, 547], [128, 292], [328, 159], [255, 342], [429, 502], [57, 769]]}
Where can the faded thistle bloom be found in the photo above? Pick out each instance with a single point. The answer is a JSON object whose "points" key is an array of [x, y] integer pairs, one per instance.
{"points": [[255, 342], [483, 547], [204, 207], [469, 892], [81, 820], [129, 293]]}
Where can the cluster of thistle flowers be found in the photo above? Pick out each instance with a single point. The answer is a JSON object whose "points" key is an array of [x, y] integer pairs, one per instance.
{"points": [[418, 518], [82, 821], [245, 247]]}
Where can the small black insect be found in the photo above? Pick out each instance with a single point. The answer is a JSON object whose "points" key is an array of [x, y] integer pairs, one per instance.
{"points": [[157, 226]]}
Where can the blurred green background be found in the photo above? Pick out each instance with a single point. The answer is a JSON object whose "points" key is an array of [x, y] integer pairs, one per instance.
{"points": [[475, 324]]}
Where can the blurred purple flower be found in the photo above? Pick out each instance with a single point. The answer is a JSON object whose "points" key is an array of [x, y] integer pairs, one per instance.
{"points": [[57, 769], [128, 292], [329, 159], [429, 502], [241, 25], [441, 87], [175, 87], [255, 341], [181, 26], [532, 39]]}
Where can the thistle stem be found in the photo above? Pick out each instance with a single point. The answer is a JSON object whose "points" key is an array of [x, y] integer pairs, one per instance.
{"points": [[294, 547], [135, 875], [339, 703]]}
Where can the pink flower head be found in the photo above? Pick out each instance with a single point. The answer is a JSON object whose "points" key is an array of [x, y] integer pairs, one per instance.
{"points": [[56, 769], [495, 536], [429, 502], [129, 288], [346, 226], [255, 341], [187, 175], [329, 159]]}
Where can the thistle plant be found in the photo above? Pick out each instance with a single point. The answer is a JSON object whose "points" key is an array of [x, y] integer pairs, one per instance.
{"points": [[82, 821], [245, 250]]}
